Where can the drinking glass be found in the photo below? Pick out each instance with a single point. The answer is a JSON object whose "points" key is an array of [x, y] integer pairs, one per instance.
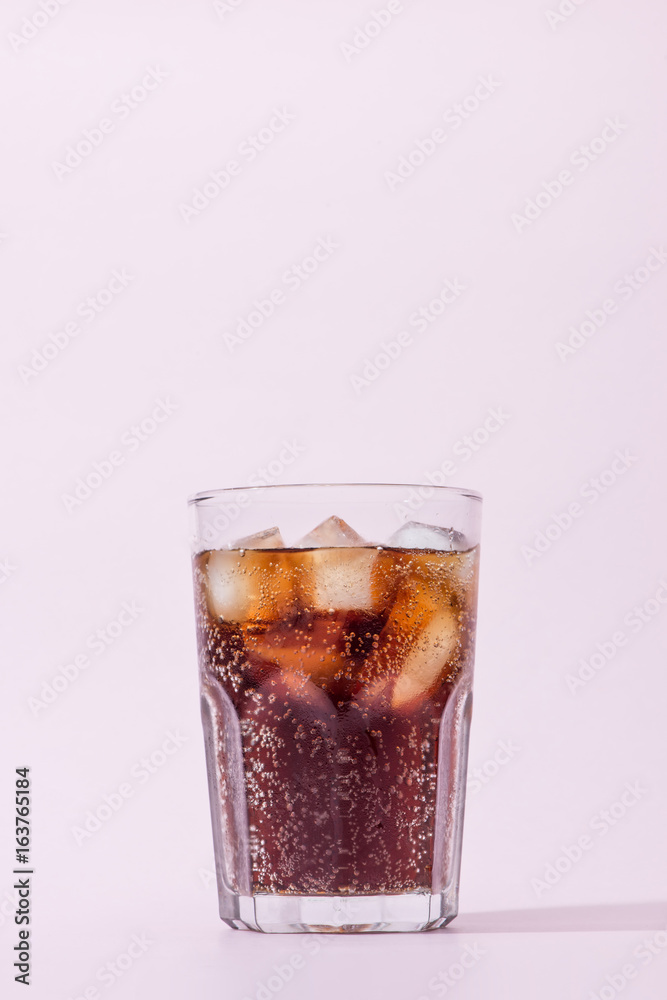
{"points": [[336, 632]]}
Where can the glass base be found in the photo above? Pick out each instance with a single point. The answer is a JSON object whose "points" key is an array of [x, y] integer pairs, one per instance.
{"points": [[275, 914]]}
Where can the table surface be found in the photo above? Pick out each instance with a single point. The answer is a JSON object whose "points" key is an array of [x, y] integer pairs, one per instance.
{"points": [[551, 952]]}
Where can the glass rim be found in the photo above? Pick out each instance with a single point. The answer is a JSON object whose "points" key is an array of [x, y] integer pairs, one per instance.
{"points": [[206, 496]]}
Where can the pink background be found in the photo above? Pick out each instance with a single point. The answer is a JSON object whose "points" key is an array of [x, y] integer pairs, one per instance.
{"points": [[164, 331]]}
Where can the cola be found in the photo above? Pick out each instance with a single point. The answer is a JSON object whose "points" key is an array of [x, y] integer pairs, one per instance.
{"points": [[326, 672]]}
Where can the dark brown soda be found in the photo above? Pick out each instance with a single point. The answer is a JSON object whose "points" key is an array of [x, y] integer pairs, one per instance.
{"points": [[338, 664]]}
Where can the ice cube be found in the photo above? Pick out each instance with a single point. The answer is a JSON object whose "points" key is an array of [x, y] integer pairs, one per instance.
{"points": [[424, 664], [339, 580], [250, 585], [332, 533], [463, 570], [270, 538], [302, 647], [417, 642], [415, 535], [292, 687], [374, 696]]}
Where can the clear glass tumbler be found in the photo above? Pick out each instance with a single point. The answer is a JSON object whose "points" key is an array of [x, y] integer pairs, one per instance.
{"points": [[336, 632]]}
